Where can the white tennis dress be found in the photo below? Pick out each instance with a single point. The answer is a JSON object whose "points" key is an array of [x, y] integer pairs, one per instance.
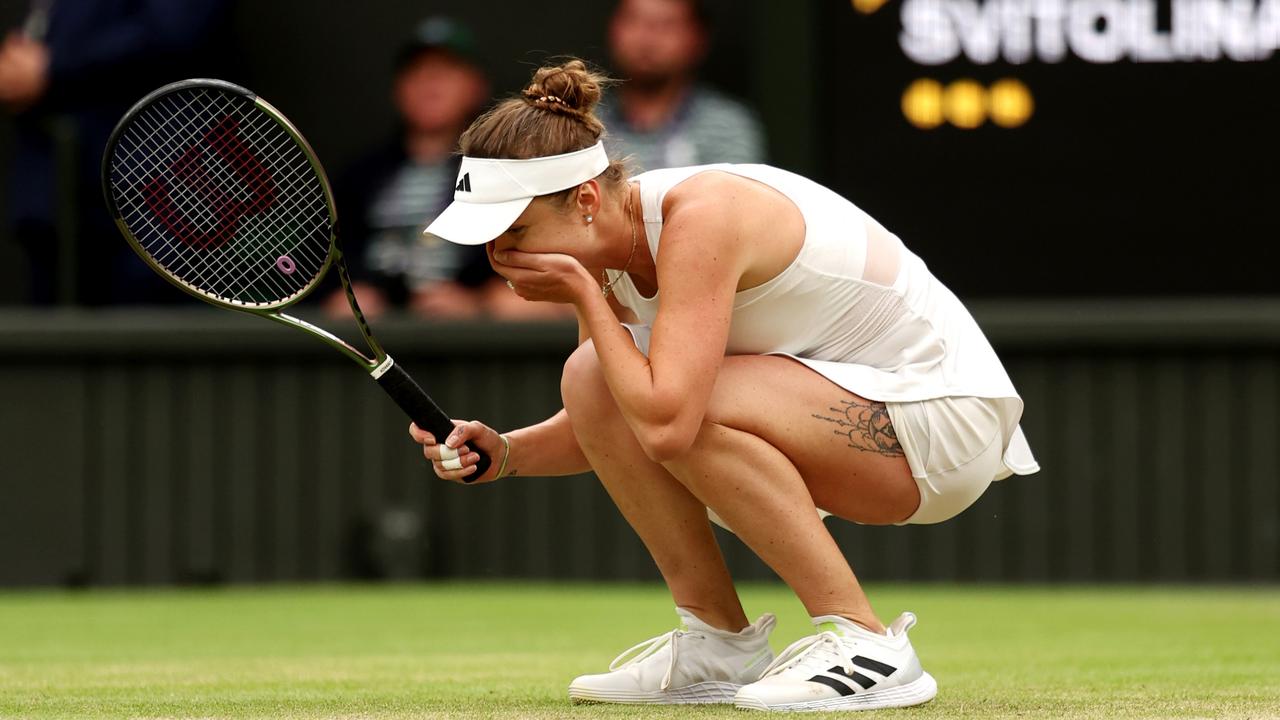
{"points": [[911, 345]]}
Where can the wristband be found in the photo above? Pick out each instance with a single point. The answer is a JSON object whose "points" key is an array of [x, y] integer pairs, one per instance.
{"points": [[503, 467]]}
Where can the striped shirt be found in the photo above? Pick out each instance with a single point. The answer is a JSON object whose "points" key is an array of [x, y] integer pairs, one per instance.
{"points": [[708, 127], [408, 203]]}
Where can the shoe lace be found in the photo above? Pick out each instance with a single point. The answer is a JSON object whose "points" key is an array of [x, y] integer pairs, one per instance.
{"points": [[648, 648], [824, 647]]}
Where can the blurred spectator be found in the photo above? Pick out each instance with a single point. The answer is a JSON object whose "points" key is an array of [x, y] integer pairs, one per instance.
{"points": [[68, 76], [660, 113], [387, 197]]}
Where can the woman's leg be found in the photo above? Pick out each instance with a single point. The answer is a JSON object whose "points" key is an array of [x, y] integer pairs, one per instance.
{"points": [[778, 441], [670, 521], [843, 446], [757, 491]]}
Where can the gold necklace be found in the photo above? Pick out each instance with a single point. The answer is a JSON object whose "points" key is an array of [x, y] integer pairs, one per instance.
{"points": [[607, 288]]}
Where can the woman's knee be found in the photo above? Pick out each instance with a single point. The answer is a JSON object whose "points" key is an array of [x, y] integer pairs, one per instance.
{"points": [[737, 395], [583, 388]]}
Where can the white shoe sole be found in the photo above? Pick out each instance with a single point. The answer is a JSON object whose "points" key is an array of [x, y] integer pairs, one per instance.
{"points": [[920, 690], [700, 693]]}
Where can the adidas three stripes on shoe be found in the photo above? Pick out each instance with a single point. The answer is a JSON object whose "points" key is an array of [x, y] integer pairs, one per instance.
{"points": [[843, 667]]}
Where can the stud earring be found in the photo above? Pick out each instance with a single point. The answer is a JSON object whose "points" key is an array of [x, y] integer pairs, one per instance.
{"points": [[590, 218]]}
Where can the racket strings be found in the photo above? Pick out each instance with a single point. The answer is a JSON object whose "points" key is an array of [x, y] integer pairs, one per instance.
{"points": [[149, 129], [192, 199], [221, 196], [199, 271], [191, 169], [238, 282]]}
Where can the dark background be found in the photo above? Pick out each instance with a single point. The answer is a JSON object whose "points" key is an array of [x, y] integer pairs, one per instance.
{"points": [[1130, 179], [154, 447]]}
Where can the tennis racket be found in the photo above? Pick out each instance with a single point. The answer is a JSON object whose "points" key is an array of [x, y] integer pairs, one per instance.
{"points": [[219, 193]]}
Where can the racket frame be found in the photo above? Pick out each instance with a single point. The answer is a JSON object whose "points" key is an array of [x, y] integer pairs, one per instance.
{"points": [[392, 378], [270, 310]]}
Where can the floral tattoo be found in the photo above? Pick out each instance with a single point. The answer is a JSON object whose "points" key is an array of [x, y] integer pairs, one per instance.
{"points": [[867, 426]]}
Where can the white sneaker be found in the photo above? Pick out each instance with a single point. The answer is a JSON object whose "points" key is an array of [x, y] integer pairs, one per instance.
{"points": [[693, 664], [843, 667]]}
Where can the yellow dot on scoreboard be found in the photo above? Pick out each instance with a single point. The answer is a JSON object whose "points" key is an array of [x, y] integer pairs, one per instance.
{"points": [[1011, 103], [866, 7], [964, 103], [922, 103]]}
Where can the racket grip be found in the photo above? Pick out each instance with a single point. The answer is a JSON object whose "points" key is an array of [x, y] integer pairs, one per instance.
{"points": [[422, 410]]}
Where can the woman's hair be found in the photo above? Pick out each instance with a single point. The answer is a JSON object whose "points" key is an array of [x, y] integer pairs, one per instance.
{"points": [[554, 115]]}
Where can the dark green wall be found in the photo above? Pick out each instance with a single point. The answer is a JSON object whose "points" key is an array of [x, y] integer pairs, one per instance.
{"points": [[204, 446]]}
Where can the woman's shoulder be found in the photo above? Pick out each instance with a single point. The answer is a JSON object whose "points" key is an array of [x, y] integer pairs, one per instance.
{"points": [[656, 174], [659, 187], [721, 185], [672, 175], [702, 192], [744, 225], [691, 182]]}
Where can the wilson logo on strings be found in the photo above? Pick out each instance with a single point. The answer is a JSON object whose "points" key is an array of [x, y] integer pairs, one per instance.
{"points": [[171, 193]]}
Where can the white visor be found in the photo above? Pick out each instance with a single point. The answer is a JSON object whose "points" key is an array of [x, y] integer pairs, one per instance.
{"points": [[491, 193]]}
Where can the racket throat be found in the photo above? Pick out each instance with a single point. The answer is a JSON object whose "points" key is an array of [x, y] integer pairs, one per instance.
{"points": [[382, 368], [422, 409], [342, 346], [348, 288]]}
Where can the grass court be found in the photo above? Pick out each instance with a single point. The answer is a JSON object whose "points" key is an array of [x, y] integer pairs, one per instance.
{"points": [[509, 650]]}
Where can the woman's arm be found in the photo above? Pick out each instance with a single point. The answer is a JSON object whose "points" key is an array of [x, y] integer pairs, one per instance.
{"points": [[664, 396], [705, 254], [544, 450]]}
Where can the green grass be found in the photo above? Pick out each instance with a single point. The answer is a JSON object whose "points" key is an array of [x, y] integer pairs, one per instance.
{"points": [[509, 651]]}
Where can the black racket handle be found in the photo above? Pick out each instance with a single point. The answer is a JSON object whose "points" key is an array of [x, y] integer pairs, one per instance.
{"points": [[423, 411]]}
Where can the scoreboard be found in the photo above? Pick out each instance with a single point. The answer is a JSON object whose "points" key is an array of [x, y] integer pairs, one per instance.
{"points": [[1061, 147]]}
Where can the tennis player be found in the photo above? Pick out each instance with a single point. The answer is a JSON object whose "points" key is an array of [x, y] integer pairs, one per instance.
{"points": [[754, 348]]}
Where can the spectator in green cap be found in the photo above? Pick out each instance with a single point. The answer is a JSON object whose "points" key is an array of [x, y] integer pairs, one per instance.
{"points": [[387, 197]]}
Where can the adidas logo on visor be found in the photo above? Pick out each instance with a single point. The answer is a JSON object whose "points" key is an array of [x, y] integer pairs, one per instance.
{"points": [[504, 187]]}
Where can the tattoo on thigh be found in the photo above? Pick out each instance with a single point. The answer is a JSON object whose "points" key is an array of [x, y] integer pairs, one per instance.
{"points": [[867, 426]]}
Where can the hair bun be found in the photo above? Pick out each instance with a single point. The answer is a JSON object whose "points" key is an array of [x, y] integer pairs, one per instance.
{"points": [[570, 89], [554, 115]]}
